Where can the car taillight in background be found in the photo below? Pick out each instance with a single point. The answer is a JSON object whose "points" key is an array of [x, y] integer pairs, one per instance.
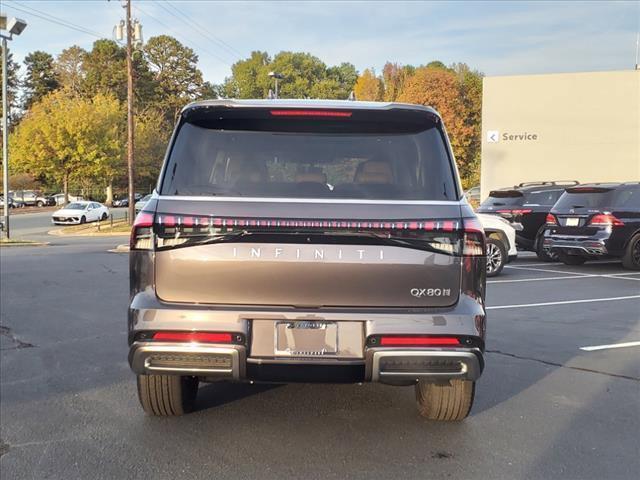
{"points": [[142, 232], [605, 220], [474, 239], [551, 219]]}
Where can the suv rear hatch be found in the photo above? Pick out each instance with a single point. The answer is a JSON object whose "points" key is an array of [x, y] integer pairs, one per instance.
{"points": [[309, 208], [577, 210]]}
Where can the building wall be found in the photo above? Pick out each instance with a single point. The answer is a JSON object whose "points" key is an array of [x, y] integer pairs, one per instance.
{"points": [[574, 126]]}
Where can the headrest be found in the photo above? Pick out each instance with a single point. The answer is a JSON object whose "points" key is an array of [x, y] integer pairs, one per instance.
{"points": [[374, 171]]}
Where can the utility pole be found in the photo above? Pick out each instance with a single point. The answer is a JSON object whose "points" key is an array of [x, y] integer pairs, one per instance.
{"points": [[8, 28], [130, 169]]}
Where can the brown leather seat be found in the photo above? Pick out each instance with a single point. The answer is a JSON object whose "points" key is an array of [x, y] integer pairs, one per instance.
{"points": [[374, 171], [317, 177]]}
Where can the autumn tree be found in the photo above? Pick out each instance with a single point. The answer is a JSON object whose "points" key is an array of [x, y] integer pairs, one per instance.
{"points": [[369, 86], [69, 68], [40, 78], [440, 89], [394, 77], [68, 138]]}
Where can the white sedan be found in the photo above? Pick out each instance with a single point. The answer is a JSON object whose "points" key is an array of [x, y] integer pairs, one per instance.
{"points": [[80, 212], [501, 242]]}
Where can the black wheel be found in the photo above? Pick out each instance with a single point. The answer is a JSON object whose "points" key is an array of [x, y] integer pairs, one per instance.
{"points": [[83, 219], [167, 395], [104, 216], [40, 203], [631, 257], [496, 256], [445, 402], [545, 256], [571, 259]]}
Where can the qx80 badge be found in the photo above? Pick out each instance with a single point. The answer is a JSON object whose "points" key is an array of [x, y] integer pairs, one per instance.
{"points": [[430, 292]]}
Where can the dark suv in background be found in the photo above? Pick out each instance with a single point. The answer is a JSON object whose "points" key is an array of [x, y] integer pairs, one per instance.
{"points": [[594, 221], [527, 204], [299, 240]]}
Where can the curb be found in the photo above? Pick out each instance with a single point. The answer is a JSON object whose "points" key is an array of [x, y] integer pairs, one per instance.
{"points": [[58, 232], [123, 248], [25, 244]]}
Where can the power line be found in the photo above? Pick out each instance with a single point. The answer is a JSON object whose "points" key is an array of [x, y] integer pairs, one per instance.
{"points": [[50, 18], [203, 31], [160, 22]]}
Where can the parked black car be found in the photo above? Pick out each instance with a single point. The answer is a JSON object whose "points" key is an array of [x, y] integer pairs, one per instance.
{"points": [[527, 204], [594, 221]]}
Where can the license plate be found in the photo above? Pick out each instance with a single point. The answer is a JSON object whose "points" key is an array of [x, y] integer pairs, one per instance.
{"points": [[573, 222], [306, 338]]}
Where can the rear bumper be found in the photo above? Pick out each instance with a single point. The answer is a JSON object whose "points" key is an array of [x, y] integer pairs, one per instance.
{"points": [[585, 246], [391, 366]]}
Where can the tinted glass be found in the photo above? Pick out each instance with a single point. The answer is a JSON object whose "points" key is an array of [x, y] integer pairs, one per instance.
{"points": [[543, 197], [627, 197], [594, 200], [207, 161], [503, 201]]}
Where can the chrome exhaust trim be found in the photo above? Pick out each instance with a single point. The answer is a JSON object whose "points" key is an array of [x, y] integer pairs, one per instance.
{"points": [[168, 358], [407, 366]]}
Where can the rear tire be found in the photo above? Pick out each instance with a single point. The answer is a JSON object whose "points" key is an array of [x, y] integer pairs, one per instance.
{"points": [[167, 395], [40, 203], [542, 254], [631, 257], [496, 257], [104, 216], [450, 402], [571, 259]]}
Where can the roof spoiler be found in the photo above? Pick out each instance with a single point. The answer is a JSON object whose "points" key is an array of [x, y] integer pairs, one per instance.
{"points": [[548, 182]]}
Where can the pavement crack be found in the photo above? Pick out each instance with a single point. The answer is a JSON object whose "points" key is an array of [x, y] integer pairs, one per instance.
{"points": [[4, 447], [6, 332], [555, 364]]}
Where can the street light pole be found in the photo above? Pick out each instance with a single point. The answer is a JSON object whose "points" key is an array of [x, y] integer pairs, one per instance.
{"points": [[5, 143], [276, 76], [130, 169]]}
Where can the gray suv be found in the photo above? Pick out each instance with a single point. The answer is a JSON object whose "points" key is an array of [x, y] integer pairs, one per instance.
{"points": [[308, 241]]}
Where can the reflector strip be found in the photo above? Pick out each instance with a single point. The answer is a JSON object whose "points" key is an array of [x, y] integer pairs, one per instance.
{"points": [[447, 225], [310, 113], [389, 341], [193, 337]]}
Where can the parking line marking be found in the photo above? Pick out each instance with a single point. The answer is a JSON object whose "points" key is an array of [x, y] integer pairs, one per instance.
{"points": [[573, 277], [548, 270], [603, 262], [565, 302], [613, 345]]}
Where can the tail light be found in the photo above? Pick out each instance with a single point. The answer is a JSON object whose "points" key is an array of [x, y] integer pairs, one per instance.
{"points": [[551, 219], [311, 113], [473, 239], [605, 220], [142, 232], [515, 211], [193, 337], [417, 341]]}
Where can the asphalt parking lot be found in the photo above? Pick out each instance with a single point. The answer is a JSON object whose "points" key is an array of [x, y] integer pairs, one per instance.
{"points": [[545, 408]]}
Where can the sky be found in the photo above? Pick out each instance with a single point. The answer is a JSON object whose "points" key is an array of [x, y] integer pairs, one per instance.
{"points": [[496, 38]]}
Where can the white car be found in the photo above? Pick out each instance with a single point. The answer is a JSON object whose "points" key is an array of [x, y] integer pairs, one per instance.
{"points": [[80, 212], [501, 242]]}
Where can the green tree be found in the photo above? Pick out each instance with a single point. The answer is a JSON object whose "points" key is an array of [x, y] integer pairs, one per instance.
{"points": [[68, 138], [152, 137], [40, 78], [306, 76], [12, 85], [369, 86], [174, 67]]}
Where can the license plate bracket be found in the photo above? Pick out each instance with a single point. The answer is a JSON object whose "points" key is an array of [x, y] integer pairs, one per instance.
{"points": [[306, 338], [572, 222]]}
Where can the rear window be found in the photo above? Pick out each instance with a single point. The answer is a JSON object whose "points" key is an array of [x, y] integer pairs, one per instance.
{"points": [[310, 163], [503, 198], [543, 197], [585, 197]]}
